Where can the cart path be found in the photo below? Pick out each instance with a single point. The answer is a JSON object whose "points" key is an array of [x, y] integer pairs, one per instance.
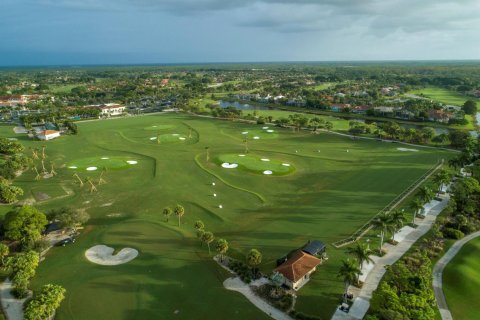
{"points": [[438, 274]]}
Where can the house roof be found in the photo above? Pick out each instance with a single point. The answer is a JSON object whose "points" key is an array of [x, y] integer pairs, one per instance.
{"points": [[314, 247], [298, 265], [48, 132]]}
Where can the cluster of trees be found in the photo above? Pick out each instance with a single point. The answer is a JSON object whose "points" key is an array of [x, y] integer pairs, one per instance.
{"points": [[12, 161], [178, 210], [44, 303], [22, 267], [207, 237]]}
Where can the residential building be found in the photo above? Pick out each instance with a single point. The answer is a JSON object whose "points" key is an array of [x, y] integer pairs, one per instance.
{"points": [[298, 268], [48, 134]]}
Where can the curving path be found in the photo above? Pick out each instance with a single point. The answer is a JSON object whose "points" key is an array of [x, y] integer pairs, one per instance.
{"points": [[438, 273]]}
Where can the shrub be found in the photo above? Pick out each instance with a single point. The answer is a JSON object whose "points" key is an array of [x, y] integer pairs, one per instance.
{"points": [[451, 233]]}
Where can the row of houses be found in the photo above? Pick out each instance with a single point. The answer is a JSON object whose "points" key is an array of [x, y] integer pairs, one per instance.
{"points": [[21, 99]]}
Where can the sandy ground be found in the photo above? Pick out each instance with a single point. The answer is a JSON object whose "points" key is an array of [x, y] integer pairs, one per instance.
{"points": [[104, 256], [13, 308]]}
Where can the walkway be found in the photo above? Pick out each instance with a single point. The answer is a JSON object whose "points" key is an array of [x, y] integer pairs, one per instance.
{"points": [[12, 307], [236, 284], [362, 302], [438, 274]]}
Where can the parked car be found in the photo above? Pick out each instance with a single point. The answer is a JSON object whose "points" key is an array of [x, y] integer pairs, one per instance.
{"points": [[66, 241]]}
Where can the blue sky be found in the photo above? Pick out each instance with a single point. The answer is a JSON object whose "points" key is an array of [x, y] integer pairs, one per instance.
{"points": [[35, 32]]}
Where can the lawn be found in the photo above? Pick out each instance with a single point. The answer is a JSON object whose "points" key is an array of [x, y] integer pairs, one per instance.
{"points": [[461, 280], [444, 95], [334, 185]]}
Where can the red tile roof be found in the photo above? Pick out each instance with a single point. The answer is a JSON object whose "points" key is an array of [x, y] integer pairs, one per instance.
{"points": [[298, 265]]}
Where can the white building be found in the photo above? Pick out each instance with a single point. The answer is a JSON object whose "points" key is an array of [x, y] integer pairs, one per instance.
{"points": [[111, 109], [48, 134]]}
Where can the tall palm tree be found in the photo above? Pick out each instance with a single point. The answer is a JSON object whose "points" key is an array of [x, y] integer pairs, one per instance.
{"points": [[208, 237], [254, 258], [179, 212], [199, 225], [426, 194], [441, 178], [417, 206], [221, 247], [397, 219], [167, 212], [348, 271], [362, 253], [382, 223]]}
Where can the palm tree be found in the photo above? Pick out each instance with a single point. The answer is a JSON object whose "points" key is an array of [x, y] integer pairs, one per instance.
{"points": [[416, 205], [382, 223], [208, 237], [199, 225], [348, 271], [397, 219], [167, 212], [221, 247], [254, 258], [362, 253], [328, 125], [441, 178], [426, 194], [179, 212], [200, 235]]}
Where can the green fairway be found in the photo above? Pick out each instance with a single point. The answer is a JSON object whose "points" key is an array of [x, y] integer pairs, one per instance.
{"points": [[159, 127], [333, 186], [461, 281], [444, 95]]}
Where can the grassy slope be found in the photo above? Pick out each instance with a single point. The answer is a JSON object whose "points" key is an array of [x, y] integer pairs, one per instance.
{"points": [[461, 280], [331, 193]]}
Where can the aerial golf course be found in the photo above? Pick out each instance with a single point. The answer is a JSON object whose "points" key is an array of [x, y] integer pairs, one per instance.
{"points": [[277, 189]]}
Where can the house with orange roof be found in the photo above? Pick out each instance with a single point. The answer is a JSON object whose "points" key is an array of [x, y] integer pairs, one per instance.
{"points": [[297, 269], [48, 134]]}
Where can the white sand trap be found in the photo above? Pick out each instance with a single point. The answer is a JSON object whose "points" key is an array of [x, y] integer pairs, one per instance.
{"points": [[227, 165], [181, 138], [72, 167], [265, 159], [220, 206], [92, 168], [153, 138], [241, 155], [270, 131], [103, 255], [267, 172], [175, 134], [104, 158], [285, 164], [256, 138], [132, 162], [406, 149], [245, 132], [265, 128], [154, 126]]}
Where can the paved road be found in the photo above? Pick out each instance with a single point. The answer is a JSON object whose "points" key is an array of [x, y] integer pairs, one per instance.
{"points": [[362, 302], [438, 273]]}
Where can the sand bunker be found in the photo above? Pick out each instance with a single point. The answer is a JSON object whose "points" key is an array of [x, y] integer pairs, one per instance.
{"points": [[72, 167], [264, 159], [265, 128], [229, 165], [270, 131], [104, 256], [285, 164], [406, 149], [175, 134], [245, 132], [104, 158], [256, 138], [241, 155], [92, 168], [132, 162], [153, 138], [181, 138], [267, 172]]}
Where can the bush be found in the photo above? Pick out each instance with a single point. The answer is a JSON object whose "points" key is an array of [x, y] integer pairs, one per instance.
{"points": [[451, 233], [303, 316], [281, 300], [41, 245]]}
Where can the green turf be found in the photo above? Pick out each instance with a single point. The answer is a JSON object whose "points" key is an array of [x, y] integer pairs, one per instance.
{"points": [[330, 194], [461, 282], [159, 127], [254, 163], [444, 95]]}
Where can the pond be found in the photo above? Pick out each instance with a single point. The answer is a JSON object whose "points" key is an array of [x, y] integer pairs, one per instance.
{"points": [[241, 106]]}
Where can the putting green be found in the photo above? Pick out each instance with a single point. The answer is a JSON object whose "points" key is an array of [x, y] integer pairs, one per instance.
{"points": [[169, 138], [98, 163], [255, 163], [159, 127], [260, 133]]}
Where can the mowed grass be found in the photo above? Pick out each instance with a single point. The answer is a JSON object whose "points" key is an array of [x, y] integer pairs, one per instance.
{"points": [[330, 194], [256, 163], [461, 282], [444, 95]]}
